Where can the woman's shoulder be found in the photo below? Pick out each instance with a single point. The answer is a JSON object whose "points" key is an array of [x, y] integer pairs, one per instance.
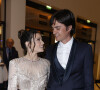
{"points": [[45, 61], [16, 60]]}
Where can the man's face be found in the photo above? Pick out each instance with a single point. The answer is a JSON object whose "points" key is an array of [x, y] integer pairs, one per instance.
{"points": [[61, 32], [9, 43]]}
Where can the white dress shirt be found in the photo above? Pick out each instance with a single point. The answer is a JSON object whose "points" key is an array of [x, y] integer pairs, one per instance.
{"points": [[63, 51]]}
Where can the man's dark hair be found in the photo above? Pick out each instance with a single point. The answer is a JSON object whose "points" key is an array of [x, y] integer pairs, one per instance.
{"points": [[65, 17]]}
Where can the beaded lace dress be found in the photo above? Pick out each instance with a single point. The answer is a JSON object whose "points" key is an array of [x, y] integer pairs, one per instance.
{"points": [[26, 74]]}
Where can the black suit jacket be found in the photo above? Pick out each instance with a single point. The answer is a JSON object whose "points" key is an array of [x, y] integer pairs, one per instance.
{"points": [[13, 55], [78, 74]]}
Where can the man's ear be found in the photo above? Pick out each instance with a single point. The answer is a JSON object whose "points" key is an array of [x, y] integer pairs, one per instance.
{"points": [[69, 28]]}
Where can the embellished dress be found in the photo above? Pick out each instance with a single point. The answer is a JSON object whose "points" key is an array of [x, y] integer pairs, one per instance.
{"points": [[26, 74]]}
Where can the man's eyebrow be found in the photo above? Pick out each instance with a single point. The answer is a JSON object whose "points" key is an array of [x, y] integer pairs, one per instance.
{"points": [[56, 26]]}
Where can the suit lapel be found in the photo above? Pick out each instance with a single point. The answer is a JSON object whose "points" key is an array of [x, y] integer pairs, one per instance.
{"points": [[70, 61], [54, 70]]}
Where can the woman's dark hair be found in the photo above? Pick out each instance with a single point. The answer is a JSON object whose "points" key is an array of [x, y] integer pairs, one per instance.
{"points": [[65, 17], [25, 36]]}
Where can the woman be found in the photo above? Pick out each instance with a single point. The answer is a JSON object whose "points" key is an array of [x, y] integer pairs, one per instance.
{"points": [[29, 72]]}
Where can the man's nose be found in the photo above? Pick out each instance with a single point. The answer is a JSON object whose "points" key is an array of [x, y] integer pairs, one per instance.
{"points": [[54, 31]]}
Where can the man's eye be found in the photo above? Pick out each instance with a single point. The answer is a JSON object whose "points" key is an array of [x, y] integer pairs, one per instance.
{"points": [[58, 28]]}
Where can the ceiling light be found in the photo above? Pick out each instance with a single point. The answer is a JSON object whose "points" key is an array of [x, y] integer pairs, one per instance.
{"points": [[48, 7], [88, 21]]}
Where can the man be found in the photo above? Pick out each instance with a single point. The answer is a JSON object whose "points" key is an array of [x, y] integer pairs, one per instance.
{"points": [[71, 61], [9, 52]]}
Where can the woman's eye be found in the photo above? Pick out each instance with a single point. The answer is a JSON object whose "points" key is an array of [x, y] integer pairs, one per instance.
{"points": [[39, 39]]}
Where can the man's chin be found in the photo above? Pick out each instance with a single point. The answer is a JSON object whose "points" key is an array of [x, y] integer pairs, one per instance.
{"points": [[57, 40]]}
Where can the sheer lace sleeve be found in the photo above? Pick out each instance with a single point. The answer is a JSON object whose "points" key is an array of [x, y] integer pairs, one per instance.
{"points": [[12, 80]]}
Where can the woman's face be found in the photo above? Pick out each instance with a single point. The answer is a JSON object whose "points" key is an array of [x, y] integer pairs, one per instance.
{"points": [[38, 43]]}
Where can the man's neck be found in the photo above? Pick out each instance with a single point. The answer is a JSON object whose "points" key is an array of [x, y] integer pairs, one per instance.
{"points": [[66, 40]]}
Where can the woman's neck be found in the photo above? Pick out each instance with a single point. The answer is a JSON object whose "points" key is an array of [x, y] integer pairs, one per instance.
{"points": [[31, 56]]}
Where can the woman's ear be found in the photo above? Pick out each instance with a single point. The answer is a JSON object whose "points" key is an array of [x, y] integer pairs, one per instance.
{"points": [[27, 44]]}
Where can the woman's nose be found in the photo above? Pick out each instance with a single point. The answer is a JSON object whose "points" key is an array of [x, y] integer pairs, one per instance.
{"points": [[42, 42]]}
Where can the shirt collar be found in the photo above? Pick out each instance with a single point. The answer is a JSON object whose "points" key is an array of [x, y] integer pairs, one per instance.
{"points": [[69, 43]]}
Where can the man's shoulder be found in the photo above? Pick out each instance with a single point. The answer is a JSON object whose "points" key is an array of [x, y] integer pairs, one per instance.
{"points": [[53, 45], [83, 45]]}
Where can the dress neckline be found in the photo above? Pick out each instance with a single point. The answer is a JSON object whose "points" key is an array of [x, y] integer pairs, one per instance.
{"points": [[32, 60]]}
